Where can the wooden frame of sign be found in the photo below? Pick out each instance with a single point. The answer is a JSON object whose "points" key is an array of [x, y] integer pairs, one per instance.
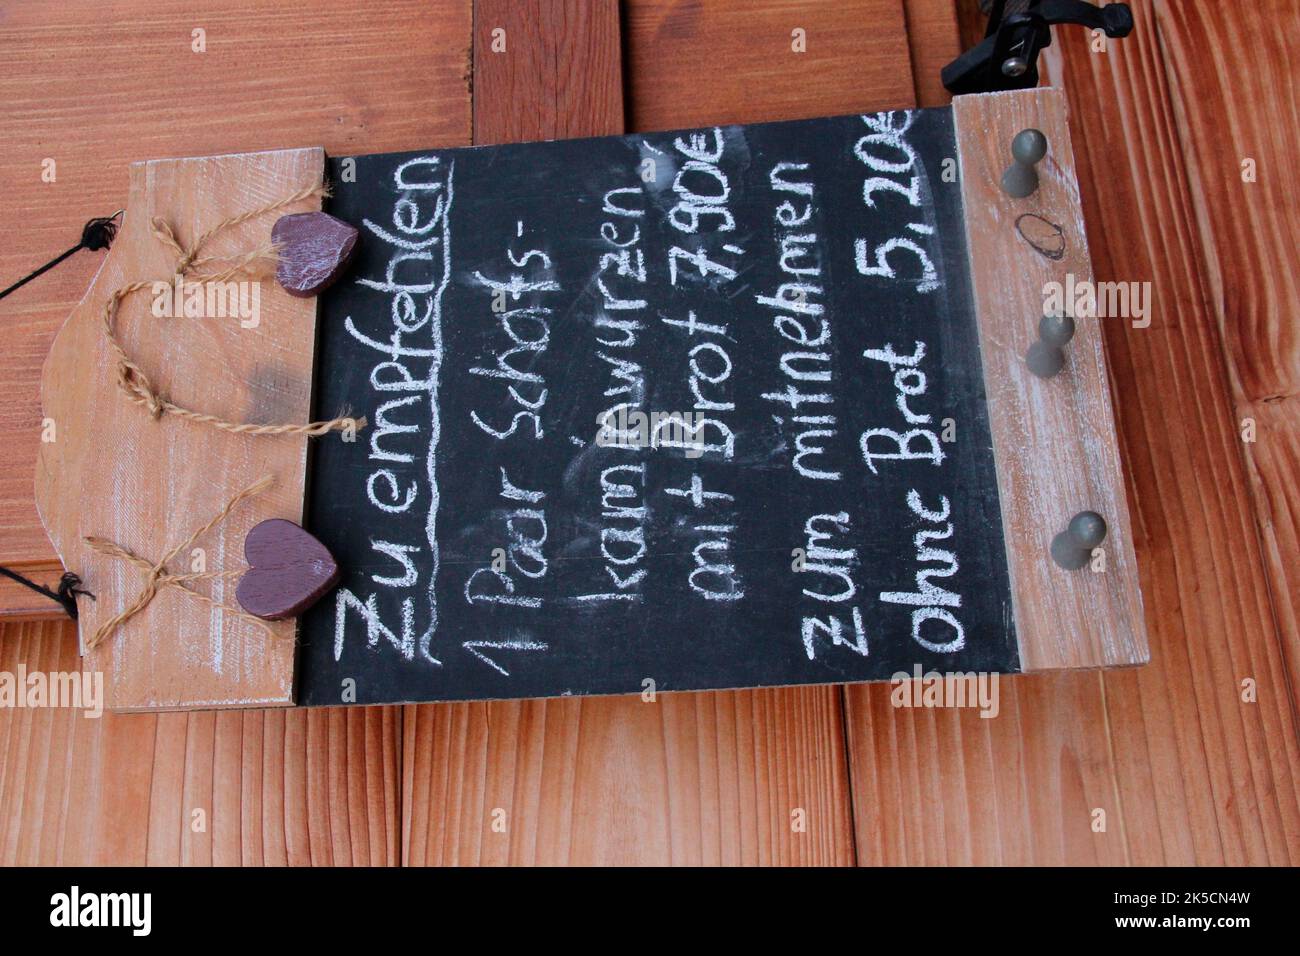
{"points": [[108, 475], [112, 472], [1053, 439]]}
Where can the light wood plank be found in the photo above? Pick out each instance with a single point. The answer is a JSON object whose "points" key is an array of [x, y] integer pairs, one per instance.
{"points": [[729, 778], [145, 484], [946, 787], [1053, 439]]}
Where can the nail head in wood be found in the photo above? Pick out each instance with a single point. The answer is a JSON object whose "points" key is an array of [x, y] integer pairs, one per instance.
{"points": [[1015, 66], [288, 570], [1072, 548], [313, 249], [1046, 357], [1027, 149]]}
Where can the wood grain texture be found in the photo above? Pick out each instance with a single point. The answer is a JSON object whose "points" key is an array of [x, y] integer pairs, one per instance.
{"points": [[1248, 235], [724, 778], [946, 787], [19, 603], [934, 40], [744, 777], [1205, 579], [972, 21], [693, 63], [1187, 772], [253, 788], [546, 69], [115, 472], [94, 87], [1053, 439]]}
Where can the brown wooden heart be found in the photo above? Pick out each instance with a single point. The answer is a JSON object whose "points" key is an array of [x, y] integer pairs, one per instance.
{"points": [[288, 570], [312, 250]]}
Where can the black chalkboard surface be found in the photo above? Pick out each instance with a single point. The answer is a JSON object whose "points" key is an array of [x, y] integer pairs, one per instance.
{"points": [[703, 408]]}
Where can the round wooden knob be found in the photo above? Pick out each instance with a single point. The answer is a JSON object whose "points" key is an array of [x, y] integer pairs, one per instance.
{"points": [[1072, 548], [1046, 357], [1027, 149]]}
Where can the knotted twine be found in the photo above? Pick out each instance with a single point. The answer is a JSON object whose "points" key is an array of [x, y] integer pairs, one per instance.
{"points": [[254, 264], [135, 384], [157, 577]]}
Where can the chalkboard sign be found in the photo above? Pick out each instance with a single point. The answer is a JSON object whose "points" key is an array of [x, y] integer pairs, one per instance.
{"points": [[704, 408]]}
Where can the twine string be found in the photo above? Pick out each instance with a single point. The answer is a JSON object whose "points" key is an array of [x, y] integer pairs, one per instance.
{"points": [[254, 264], [157, 577]]}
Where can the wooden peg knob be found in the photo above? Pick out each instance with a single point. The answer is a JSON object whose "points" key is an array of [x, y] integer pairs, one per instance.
{"points": [[1027, 150], [1072, 548], [1046, 357]]}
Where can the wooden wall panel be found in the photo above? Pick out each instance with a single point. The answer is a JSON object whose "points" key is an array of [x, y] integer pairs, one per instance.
{"points": [[946, 787], [273, 787], [933, 37], [1248, 232], [1237, 763], [731, 778], [1186, 771], [692, 62], [554, 71]]}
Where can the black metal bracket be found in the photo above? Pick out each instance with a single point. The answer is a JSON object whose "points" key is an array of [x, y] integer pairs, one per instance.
{"points": [[1007, 57]]}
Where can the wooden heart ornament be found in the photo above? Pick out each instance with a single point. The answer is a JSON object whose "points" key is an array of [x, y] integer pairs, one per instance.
{"points": [[288, 570], [312, 250]]}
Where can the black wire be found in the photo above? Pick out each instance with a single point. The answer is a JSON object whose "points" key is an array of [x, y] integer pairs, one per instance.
{"points": [[66, 595], [95, 235]]}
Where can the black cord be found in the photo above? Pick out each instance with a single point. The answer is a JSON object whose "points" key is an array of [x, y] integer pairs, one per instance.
{"points": [[95, 235], [66, 595]]}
